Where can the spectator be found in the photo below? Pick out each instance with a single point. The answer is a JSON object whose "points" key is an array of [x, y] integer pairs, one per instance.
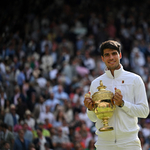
{"points": [[39, 107], [29, 120], [83, 116], [61, 95], [47, 125], [2, 100], [47, 115], [68, 112], [21, 77], [32, 146], [91, 145], [17, 94], [11, 118], [45, 43], [7, 109], [78, 96], [84, 132], [89, 61], [144, 142], [49, 86], [146, 129], [21, 108], [10, 51], [8, 136], [45, 132], [52, 102], [46, 146], [6, 146], [65, 127], [77, 141], [27, 133], [41, 140], [59, 118], [18, 126], [61, 140], [2, 66], [20, 142], [41, 81], [47, 60], [32, 101]]}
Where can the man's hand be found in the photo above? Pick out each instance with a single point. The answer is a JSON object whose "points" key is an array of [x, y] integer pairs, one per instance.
{"points": [[88, 101], [118, 97]]}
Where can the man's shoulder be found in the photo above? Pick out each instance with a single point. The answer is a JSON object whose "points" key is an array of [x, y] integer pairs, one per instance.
{"points": [[8, 115], [45, 132], [10, 133], [48, 139], [99, 78], [50, 114], [131, 75], [35, 140], [17, 139], [29, 132], [27, 141]]}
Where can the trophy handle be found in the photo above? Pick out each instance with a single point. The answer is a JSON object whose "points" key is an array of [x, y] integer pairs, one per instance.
{"points": [[87, 95], [112, 102]]}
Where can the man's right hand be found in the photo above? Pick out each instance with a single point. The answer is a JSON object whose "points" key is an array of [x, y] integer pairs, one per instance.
{"points": [[88, 101]]}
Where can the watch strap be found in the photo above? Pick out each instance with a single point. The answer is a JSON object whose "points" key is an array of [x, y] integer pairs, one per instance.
{"points": [[121, 104]]}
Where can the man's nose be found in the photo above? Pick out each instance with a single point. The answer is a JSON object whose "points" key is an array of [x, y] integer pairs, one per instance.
{"points": [[110, 56]]}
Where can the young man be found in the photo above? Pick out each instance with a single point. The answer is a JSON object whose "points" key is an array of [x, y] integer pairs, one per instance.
{"points": [[8, 136], [131, 103], [20, 142], [40, 141]]}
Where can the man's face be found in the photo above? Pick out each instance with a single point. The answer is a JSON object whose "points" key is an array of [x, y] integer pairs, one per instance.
{"points": [[39, 133], [25, 126], [13, 110], [111, 58], [21, 133], [7, 146], [41, 100]]}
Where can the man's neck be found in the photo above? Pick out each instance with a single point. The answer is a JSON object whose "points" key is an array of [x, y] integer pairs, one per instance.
{"points": [[21, 139], [5, 131], [41, 137], [113, 70]]}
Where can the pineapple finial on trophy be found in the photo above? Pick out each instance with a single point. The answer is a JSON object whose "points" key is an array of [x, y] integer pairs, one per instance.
{"points": [[101, 87]]}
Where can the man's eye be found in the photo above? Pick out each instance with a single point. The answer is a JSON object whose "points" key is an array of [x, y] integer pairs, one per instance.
{"points": [[115, 53], [106, 55]]}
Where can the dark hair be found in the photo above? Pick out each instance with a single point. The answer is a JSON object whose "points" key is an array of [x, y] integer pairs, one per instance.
{"points": [[46, 145], [31, 145], [4, 125], [111, 44], [40, 129]]}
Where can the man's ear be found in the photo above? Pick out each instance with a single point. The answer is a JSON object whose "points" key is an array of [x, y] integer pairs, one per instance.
{"points": [[102, 58], [120, 55]]}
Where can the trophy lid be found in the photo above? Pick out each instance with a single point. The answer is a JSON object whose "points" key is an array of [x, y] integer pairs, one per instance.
{"points": [[102, 93], [101, 87]]}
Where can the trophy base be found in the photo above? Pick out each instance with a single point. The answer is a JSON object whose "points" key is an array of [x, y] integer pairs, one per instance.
{"points": [[108, 128]]}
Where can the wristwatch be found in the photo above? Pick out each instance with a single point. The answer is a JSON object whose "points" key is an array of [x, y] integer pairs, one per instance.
{"points": [[121, 104]]}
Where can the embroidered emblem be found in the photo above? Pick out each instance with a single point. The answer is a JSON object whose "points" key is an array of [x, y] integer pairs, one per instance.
{"points": [[122, 81]]}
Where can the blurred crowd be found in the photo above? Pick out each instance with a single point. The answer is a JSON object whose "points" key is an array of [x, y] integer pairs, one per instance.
{"points": [[49, 54]]}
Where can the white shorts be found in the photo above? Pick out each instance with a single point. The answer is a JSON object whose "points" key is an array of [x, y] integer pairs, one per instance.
{"points": [[134, 145]]}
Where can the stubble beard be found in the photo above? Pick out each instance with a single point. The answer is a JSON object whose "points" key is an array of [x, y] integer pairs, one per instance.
{"points": [[116, 67]]}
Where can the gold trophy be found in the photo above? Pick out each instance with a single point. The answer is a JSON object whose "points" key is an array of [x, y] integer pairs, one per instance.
{"points": [[103, 105]]}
